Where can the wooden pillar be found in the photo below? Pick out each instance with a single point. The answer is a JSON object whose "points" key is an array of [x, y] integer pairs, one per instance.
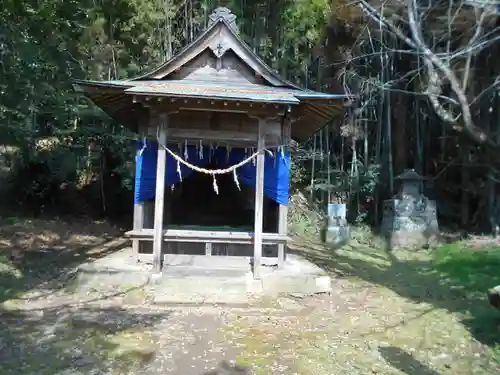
{"points": [[283, 209], [160, 194], [259, 201], [139, 209], [137, 225], [282, 230]]}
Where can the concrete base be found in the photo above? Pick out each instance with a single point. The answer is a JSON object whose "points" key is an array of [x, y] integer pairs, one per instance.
{"points": [[198, 279]]}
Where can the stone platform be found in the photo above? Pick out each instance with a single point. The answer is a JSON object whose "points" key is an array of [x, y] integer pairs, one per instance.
{"points": [[202, 279]]}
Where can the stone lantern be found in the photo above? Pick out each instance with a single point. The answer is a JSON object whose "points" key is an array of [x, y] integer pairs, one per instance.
{"points": [[410, 218], [411, 183]]}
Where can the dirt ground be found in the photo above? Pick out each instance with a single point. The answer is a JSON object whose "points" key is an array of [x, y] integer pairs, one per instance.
{"points": [[386, 315]]}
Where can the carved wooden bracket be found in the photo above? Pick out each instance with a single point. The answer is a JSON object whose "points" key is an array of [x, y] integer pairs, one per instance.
{"points": [[219, 47], [264, 117]]}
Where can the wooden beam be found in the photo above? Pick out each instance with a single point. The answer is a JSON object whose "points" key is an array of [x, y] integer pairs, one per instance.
{"points": [[237, 130], [204, 236], [202, 261], [259, 201], [222, 136], [170, 104], [227, 121], [160, 194], [212, 135]]}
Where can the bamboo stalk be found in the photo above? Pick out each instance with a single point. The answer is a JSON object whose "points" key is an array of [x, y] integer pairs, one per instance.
{"points": [[328, 164], [389, 126], [311, 196]]}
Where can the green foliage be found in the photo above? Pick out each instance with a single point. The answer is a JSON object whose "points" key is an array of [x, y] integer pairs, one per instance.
{"points": [[44, 45], [305, 218], [298, 174], [36, 175], [475, 269], [354, 183], [363, 180]]}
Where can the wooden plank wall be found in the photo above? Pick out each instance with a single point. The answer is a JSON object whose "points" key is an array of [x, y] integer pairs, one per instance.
{"points": [[234, 129]]}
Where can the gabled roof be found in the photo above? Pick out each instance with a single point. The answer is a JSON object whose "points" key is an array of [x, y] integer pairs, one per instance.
{"points": [[196, 72], [220, 36]]}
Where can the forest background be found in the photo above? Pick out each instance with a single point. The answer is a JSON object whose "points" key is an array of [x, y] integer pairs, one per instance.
{"points": [[424, 75]]}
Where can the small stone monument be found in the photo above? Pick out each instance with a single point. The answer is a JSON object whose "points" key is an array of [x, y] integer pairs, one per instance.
{"points": [[336, 229], [410, 218]]}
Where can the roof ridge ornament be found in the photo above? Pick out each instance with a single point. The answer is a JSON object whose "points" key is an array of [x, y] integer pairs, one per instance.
{"points": [[226, 15]]}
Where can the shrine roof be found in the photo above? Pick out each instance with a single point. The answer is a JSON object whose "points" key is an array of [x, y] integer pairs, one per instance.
{"points": [[218, 65], [219, 90]]}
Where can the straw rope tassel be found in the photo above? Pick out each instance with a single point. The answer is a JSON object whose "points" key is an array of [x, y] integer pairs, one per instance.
{"points": [[235, 178], [179, 169], [214, 184], [186, 153], [213, 172], [144, 146]]}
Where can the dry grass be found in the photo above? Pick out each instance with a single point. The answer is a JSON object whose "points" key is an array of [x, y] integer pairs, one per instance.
{"points": [[42, 330], [37, 253], [389, 313], [19, 234]]}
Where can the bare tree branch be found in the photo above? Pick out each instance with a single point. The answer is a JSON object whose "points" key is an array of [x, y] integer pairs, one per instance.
{"points": [[438, 67], [477, 33], [431, 59]]}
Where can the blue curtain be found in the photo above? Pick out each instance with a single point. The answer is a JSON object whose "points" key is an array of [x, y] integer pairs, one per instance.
{"points": [[276, 169]]}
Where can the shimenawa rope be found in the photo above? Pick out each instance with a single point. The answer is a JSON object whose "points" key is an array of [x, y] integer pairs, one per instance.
{"points": [[213, 172]]}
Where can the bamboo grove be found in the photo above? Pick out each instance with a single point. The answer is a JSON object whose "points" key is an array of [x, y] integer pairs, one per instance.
{"points": [[369, 50]]}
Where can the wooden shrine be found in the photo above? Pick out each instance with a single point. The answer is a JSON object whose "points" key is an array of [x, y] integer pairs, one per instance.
{"points": [[215, 112]]}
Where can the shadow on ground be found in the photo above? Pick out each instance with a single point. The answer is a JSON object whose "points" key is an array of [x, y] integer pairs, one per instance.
{"points": [[447, 278], [225, 368], [404, 362], [65, 340], [42, 253], [71, 338]]}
